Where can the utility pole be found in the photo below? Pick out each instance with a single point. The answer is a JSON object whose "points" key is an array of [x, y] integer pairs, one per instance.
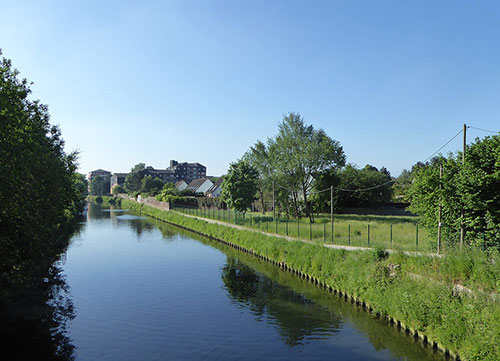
{"points": [[331, 204], [331, 209], [274, 212], [440, 210], [462, 227]]}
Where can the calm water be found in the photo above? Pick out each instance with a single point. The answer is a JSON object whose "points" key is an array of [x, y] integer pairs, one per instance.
{"points": [[144, 290]]}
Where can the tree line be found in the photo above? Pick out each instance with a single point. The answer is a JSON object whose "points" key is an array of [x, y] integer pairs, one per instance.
{"points": [[40, 195], [301, 170]]}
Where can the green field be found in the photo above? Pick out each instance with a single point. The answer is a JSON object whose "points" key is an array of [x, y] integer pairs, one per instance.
{"points": [[393, 232]]}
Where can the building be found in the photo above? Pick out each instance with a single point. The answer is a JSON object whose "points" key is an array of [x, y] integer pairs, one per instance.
{"points": [[98, 172], [187, 171], [181, 185], [200, 185], [166, 175], [118, 179], [215, 190]]}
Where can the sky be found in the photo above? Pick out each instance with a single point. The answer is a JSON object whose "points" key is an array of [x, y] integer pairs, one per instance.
{"points": [[202, 81]]}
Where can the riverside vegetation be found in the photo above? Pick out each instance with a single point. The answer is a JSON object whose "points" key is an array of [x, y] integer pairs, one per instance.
{"points": [[452, 299]]}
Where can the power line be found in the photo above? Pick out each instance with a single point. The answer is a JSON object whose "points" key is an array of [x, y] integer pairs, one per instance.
{"points": [[448, 142], [484, 130], [392, 180], [364, 189]]}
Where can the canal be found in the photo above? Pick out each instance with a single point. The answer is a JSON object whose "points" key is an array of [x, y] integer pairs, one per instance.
{"points": [[140, 289]]}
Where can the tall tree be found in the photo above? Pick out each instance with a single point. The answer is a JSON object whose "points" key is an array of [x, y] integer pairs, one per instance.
{"points": [[300, 153], [240, 185], [99, 185], [471, 188], [133, 181]]}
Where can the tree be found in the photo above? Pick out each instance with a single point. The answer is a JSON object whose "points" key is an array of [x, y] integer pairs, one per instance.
{"points": [[258, 157], [240, 185], [299, 153], [117, 189], [470, 189], [99, 185], [151, 185], [134, 178], [40, 194]]}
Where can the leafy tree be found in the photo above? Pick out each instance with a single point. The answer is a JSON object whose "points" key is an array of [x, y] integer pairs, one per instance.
{"points": [[40, 193], [117, 189], [151, 185], [133, 181], [300, 153], [99, 185], [240, 185], [401, 185], [258, 157], [471, 188]]}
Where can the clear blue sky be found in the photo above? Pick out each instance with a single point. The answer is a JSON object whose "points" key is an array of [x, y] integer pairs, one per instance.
{"points": [[201, 81]]}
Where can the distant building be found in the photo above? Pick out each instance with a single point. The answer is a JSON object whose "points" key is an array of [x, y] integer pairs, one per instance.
{"points": [[215, 190], [118, 179], [166, 175], [98, 172], [200, 185], [187, 171]]}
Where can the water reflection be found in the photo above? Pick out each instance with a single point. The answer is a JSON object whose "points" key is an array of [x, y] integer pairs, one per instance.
{"points": [[35, 308], [296, 317], [303, 311]]}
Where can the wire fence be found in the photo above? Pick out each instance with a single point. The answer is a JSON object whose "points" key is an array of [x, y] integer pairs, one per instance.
{"points": [[404, 235]]}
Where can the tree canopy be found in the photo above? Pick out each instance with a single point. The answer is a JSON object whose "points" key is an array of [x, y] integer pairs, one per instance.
{"points": [[471, 188], [133, 181], [240, 185], [295, 157]]}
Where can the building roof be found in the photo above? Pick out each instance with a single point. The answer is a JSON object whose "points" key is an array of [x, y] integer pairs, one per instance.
{"points": [[178, 183], [100, 171], [120, 174], [214, 187], [194, 185]]}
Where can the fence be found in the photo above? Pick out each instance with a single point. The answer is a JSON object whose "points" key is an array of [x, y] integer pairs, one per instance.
{"points": [[404, 235]]}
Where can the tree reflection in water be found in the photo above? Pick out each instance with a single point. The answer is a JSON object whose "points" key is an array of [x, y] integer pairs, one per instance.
{"points": [[34, 320], [296, 317]]}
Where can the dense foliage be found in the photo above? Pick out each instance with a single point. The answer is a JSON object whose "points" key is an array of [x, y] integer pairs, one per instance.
{"points": [[240, 186], [471, 188], [133, 181], [40, 192], [293, 159], [353, 187], [99, 185]]}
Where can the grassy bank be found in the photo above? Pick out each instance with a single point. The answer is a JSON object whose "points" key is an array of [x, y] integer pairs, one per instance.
{"points": [[421, 292], [395, 232]]}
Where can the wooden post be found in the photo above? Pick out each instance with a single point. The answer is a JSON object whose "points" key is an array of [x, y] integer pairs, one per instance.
{"points": [[462, 226], [440, 211]]}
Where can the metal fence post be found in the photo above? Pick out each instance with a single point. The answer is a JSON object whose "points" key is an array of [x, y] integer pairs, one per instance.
{"points": [[368, 235], [286, 222], [310, 231], [391, 235], [416, 237], [349, 232]]}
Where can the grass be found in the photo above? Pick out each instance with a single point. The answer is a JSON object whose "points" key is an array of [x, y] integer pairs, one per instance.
{"points": [[395, 232], [421, 293]]}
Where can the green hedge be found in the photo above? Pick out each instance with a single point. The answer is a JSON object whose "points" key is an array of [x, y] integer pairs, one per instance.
{"points": [[419, 292]]}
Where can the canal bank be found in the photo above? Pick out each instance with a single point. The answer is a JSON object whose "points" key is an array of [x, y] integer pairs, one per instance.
{"points": [[455, 322]]}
